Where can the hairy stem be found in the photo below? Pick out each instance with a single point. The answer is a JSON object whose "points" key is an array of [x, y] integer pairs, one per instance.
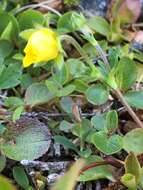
{"points": [[83, 53]]}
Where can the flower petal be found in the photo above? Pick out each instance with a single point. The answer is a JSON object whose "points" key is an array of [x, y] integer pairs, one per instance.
{"points": [[27, 61]]}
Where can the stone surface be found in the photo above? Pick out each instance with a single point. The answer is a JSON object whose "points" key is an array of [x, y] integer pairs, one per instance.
{"points": [[94, 7]]}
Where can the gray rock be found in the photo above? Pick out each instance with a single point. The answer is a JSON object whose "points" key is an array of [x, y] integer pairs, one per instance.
{"points": [[94, 7]]}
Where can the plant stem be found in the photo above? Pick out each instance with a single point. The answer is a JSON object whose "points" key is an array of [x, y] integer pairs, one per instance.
{"points": [[108, 161], [118, 92], [92, 165], [128, 108], [81, 51], [103, 56]]}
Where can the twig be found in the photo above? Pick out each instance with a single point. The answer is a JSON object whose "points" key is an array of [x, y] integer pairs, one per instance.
{"points": [[34, 6], [128, 108], [46, 114], [95, 164], [46, 166]]}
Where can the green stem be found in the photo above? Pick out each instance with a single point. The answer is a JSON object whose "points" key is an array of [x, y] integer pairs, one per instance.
{"points": [[72, 41], [103, 56], [118, 92], [81, 141]]}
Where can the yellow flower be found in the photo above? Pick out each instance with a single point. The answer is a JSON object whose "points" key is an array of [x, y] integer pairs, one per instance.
{"points": [[42, 46]]}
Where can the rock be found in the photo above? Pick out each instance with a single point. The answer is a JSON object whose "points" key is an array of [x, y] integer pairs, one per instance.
{"points": [[94, 7], [46, 166]]}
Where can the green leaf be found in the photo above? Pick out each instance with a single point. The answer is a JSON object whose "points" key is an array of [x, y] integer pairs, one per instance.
{"points": [[77, 68], [65, 126], [100, 25], [99, 122], [80, 85], [26, 80], [29, 19], [2, 129], [111, 80], [37, 93], [132, 166], [20, 177], [13, 102], [65, 142], [133, 141], [126, 73], [18, 56], [25, 34], [97, 94], [61, 76], [134, 98], [107, 122], [129, 181], [2, 162], [53, 86], [8, 26], [59, 90], [67, 104], [112, 121], [5, 50], [17, 113], [141, 181], [96, 173], [10, 76], [90, 50], [69, 180], [5, 184], [107, 145], [114, 55], [65, 91], [70, 22], [85, 153], [81, 130], [31, 141], [6, 34]]}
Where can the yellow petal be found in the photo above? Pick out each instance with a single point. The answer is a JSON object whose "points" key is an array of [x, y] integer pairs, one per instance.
{"points": [[41, 46], [27, 61]]}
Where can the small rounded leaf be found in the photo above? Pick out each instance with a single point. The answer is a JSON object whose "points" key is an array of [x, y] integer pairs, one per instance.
{"points": [[97, 94], [31, 139], [133, 141], [71, 21]]}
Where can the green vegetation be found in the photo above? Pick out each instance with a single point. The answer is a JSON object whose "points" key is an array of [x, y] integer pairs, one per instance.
{"points": [[82, 69]]}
